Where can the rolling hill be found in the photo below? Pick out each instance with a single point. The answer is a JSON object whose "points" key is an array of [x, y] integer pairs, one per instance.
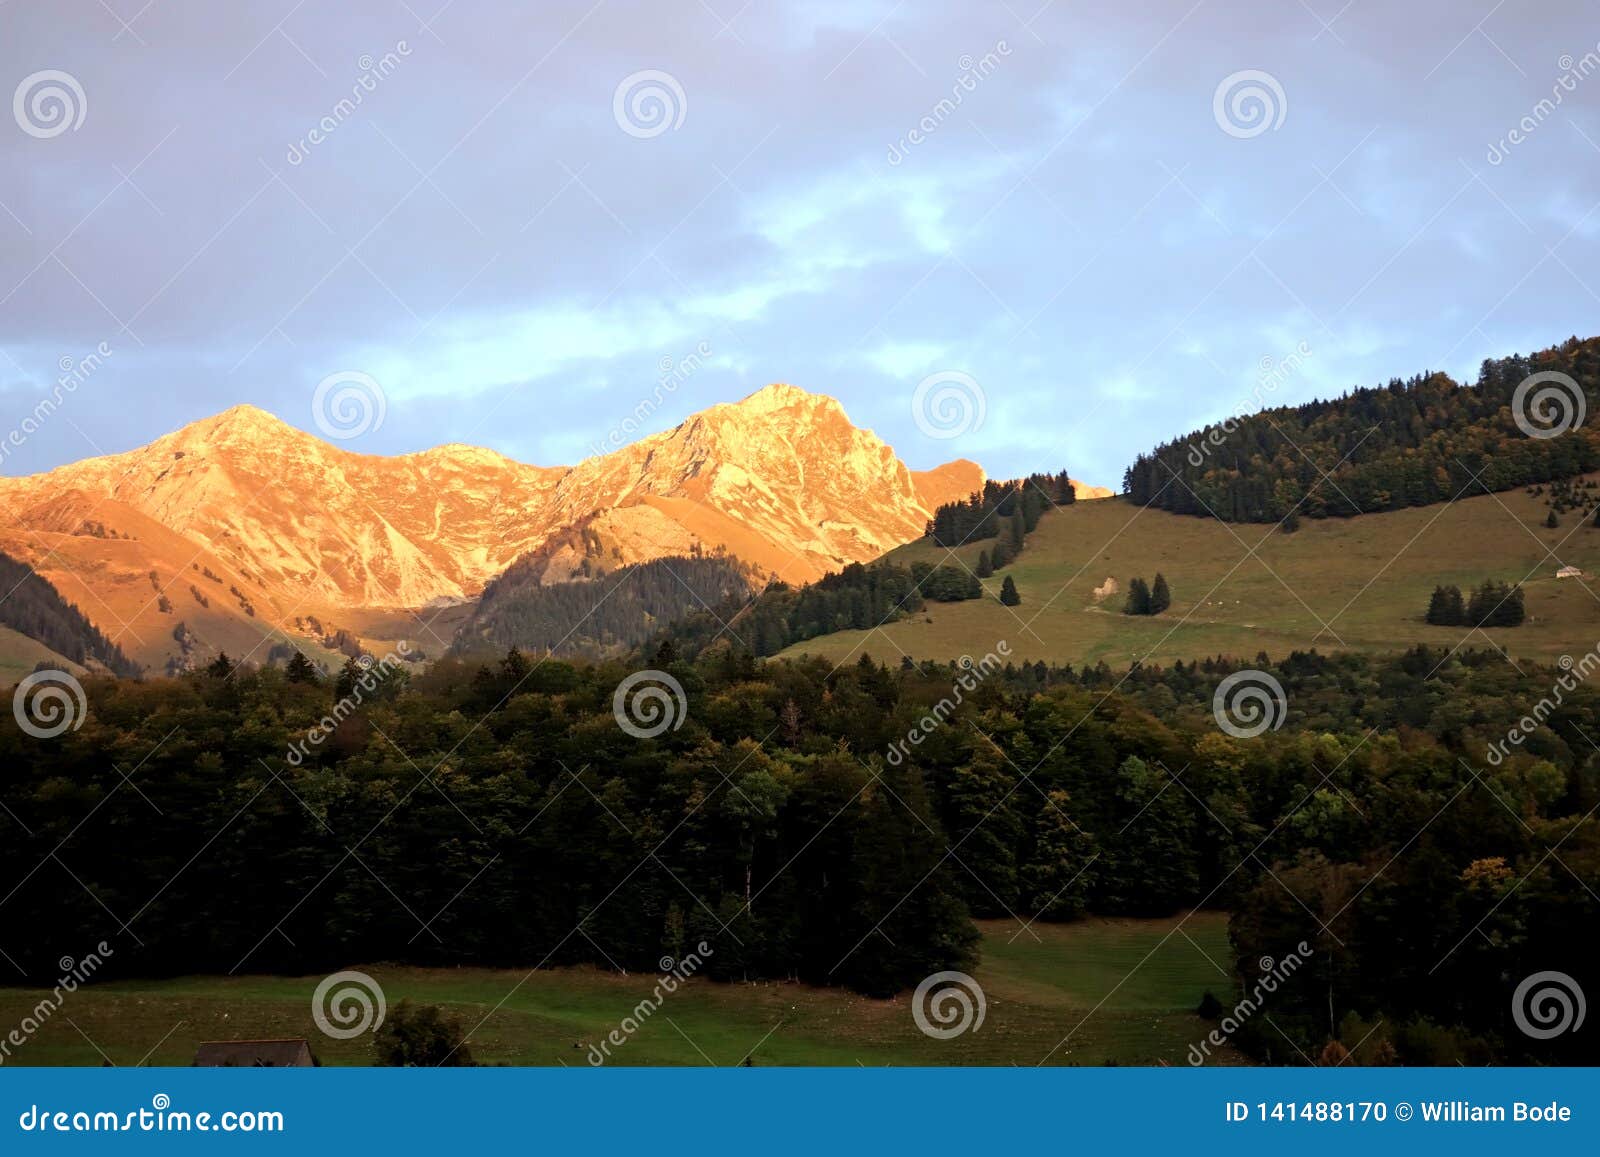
{"points": [[1358, 583]]}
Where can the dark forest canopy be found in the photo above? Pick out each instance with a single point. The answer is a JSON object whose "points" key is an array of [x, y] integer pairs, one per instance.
{"points": [[33, 607], [772, 823], [1410, 443]]}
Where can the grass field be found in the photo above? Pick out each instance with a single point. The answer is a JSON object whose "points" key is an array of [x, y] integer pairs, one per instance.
{"points": [[19, 655], [1086, 993], [1336, 584]]}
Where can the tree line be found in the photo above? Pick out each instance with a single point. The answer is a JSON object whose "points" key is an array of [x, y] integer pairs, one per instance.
{"points": [[1416, 442], [1494, 604], [1014, 506], [859, 597]]}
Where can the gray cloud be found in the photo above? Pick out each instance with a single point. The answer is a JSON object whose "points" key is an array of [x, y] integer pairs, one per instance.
{"points": [[1077, 233]]}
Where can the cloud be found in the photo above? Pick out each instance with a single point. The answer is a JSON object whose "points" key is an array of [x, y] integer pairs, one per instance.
{"points": [[1077, 233]]}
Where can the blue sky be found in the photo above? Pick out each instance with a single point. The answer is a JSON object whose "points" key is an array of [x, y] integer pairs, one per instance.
{"points": [[483, 237]]}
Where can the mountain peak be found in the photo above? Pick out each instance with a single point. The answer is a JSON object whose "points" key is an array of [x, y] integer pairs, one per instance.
{"points": [[237, 423], [781, 396]]}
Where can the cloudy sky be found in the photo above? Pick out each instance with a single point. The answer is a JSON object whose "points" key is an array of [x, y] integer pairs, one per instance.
{"points": [[1103, 221]]}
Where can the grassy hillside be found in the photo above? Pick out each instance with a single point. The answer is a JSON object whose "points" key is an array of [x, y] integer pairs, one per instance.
{"points": [[19, 655], [1125, 989], [1360, 583]]}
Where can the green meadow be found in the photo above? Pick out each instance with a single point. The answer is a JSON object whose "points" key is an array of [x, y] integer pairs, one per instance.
{"points": [[1089, 993], [1357, 584]]}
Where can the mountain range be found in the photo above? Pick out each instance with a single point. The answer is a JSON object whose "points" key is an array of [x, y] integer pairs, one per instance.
{"points": [[240, 529]]}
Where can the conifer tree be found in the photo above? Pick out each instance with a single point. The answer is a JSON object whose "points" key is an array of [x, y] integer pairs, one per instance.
{"points": [[985, 566], [1138, 598], [1160, 595], [301, 669], [1008, 593], [1445, 608], [349, 676]]}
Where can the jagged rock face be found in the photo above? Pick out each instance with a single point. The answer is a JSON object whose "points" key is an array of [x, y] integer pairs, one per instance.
{"points": [[782, 480]]}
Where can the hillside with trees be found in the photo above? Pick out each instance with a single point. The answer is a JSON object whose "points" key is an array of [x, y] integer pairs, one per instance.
{"points": [[32, 607], [1425, 440], [856, 598], [607, 615], [1005, 511]]}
